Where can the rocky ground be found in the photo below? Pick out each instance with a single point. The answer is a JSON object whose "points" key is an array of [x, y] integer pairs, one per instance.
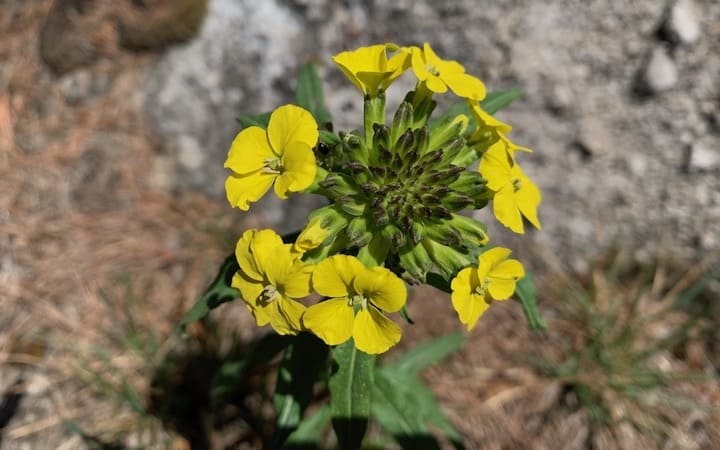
{"points": [[115, 118]]}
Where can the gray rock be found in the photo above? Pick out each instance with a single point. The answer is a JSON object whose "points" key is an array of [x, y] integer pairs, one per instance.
{"points": [[660, 73], [703, 157], [683, 22]]}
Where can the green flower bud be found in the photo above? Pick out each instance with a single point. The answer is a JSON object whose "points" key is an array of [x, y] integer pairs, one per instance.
{"points": [[444, 233], [354, 146], [422, 139], [352, 205], [445, 176], [447, 259], [338, 185], [447, 130], [471, 230], [392, 234], [416, 260], [402, 122], [381, 136], [404, 143], [456, 202], [452, 150], [357, 232]]}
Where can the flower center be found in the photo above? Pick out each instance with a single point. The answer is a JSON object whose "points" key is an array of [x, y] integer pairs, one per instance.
{"points": [[272, 165], [268, 294], [481, 288], [357, 302]]}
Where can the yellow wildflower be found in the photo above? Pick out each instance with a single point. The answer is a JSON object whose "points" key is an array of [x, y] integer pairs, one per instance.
{"points": [[440, 74], [358, 297], [473, 289], [369, 68], [312, 236], [283, 154], [515, 195], [270, 278]]}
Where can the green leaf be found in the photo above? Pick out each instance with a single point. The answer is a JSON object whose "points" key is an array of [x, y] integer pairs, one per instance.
{"points": [[217, 293], [310, 432], [405, 407], [254, 120], [428, 354], [351, 394], [492, 103], [438, 282], [495, 101], [525, 289], [309, 93], [300, 369]]}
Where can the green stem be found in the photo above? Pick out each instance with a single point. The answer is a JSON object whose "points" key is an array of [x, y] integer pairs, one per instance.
{"points": [[374, 112]]}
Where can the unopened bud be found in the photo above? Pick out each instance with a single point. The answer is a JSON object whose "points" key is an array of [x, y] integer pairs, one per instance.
{"points": [[402, 121], [447, 259], [448, 129], [416, 260], [351, 205], [474, 230]]}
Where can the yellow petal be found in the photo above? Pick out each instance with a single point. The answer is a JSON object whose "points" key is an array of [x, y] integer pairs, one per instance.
{"points": [[241, 190], [267, 249], [373, 332], [285, 315], [417, 62], [312, 236], [297, 283], [464, 85], [506, 210], [469, 307], [495, 166], [435, 84], [333, 276], [382, 287], [290, 123], [331, 320], [486, 120], [248, 151], [244, 257], [490, 259], [501, 289], [508, 269], [249, 289], [528, 199], [299, 169], [465, 281]]}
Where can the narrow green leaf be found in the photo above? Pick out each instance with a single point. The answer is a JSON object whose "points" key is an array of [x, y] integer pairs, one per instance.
{"points": [[217, 293], [428, 353], [300, 369], [254, 120], [438, 282], [310, 432], [495, 101], [414, 407], [528, 297], [309, 93], [351, 394], [406, 315]]}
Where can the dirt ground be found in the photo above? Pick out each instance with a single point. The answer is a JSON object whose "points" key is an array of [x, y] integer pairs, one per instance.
{"points": [[99, 260]]}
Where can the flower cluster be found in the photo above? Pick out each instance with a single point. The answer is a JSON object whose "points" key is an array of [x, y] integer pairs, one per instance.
{"points": [[398, 196]]}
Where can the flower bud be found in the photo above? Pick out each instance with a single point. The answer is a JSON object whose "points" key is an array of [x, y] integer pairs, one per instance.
{"points": [[470, 228], [357, 232], [381, 136], [422, 139], [447, 259], [444, 233], [351, 205], [338, 185], [393, 234], [447, 130], [402, 122], [456, 202], [416, 260]]}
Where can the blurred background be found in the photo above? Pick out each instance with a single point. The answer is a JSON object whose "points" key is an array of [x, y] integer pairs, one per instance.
{"points": [[115, 119]]}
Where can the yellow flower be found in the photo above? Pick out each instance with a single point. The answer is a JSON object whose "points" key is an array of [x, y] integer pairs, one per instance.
{"points": [[490, 130], [283, 154], [440, 74], [312, 236], [370, 69], [515, 195], [358, 296], [270, 278], [473, 289]]}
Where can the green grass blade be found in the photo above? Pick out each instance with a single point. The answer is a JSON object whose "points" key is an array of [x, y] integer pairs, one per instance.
{"points": [[428, 353]]}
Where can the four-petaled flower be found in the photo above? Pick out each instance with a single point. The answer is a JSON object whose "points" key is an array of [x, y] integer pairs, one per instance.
{"points": [[369, 68], [270, 278], [440, 74], [358, 298], [283, 154], [515, 195], [473, 289]]}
